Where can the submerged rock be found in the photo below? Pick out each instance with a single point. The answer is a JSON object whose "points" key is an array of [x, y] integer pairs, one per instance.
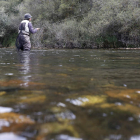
{"points": [[15, 118], [13, 121]]}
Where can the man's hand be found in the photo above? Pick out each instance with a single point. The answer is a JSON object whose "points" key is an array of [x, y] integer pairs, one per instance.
{"points": [[38, 29]]}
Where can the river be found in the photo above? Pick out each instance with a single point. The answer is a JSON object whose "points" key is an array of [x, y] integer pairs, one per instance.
{"points": [[70, 95]]}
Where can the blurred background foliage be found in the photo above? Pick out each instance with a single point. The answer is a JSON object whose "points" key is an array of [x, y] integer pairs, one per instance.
{"points": [[73, 23]]}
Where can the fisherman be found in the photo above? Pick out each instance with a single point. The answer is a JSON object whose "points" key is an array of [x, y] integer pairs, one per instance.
{"points": [[25, 29]]}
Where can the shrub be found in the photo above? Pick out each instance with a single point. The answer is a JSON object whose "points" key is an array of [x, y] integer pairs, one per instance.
{"points": [[78, 23]]}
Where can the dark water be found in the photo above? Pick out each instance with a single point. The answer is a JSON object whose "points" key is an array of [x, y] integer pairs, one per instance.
{"points": [[70, 95]]}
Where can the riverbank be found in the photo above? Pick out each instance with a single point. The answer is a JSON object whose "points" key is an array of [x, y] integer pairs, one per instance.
{"points": [[45, 48], [74, 24], [9, 42]]}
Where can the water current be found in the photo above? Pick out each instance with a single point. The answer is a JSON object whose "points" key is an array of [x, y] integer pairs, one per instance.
{"points": [[70, 95]]}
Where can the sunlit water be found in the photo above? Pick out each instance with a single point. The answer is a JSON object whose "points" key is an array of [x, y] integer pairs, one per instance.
{"points": [[70, 95]]}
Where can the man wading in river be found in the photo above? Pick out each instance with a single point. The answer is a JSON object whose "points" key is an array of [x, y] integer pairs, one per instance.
{"points": [[25, 28]]}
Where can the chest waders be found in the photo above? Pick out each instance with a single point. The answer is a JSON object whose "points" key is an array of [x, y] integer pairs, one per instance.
{"points": [[23, 39]]}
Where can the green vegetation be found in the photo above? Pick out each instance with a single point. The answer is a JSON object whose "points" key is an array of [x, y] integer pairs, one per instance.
{"points": [[74, 23]]}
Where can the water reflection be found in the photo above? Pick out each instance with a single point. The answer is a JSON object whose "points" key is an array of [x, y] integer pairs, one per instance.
{"points": [[66, 115], [78, 101], [114, 137], [24, 59], [65, 137], [4, 123], [5, 109], [10, 136], [135, 137]]}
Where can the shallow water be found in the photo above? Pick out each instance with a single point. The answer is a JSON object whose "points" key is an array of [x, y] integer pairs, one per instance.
{"points": [[70, 95]]}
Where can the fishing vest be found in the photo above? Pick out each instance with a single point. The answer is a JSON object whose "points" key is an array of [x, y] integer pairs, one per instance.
{"points": [[24, 27]]}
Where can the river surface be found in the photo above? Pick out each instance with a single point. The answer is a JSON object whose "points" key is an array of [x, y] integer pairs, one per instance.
{"points": [[70, 95]]}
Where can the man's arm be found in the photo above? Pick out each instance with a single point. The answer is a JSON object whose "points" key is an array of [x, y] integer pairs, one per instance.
{"points": [[31, 29]]}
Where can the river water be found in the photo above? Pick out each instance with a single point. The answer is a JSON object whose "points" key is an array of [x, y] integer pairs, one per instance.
{"points": [[70, 95]]}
